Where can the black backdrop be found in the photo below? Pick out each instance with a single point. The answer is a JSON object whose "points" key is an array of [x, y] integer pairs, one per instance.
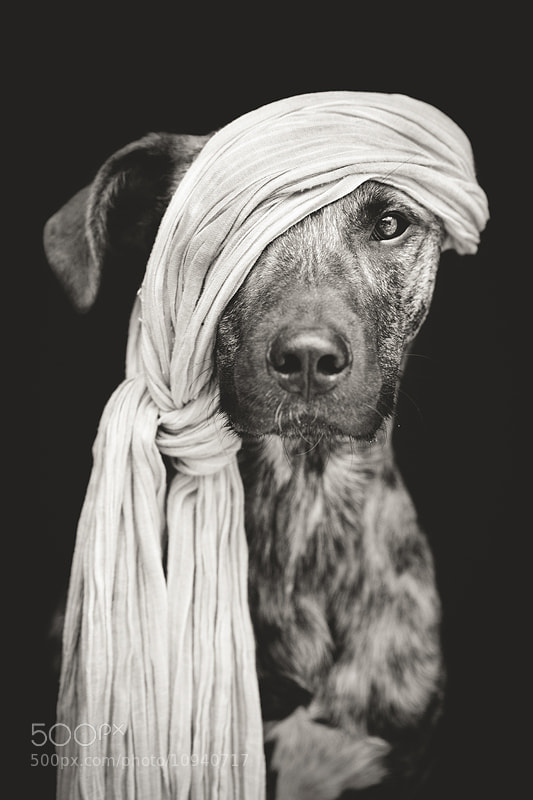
{"points": [[100, 82]]}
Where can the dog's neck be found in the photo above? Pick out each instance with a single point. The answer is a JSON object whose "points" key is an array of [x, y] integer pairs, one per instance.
{"points": [[284, 459], [304, 502]]}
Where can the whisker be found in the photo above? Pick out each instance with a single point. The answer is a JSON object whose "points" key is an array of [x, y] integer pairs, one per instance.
{"points": [[278, 415], [199, 376], [392, 171], [314, 445], [413, 402], [212, 406], [286, 453], [418, 355]]}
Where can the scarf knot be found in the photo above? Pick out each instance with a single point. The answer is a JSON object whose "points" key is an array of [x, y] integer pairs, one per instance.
{"points": [[197, 437]]}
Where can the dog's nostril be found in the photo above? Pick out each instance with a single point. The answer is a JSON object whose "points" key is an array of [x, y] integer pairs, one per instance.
{"points": [[331, 364], [286, 363]]}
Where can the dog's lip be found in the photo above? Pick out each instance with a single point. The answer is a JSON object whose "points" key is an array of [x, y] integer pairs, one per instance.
{"points": [[307, 425], [312, 433], [302, 428]]}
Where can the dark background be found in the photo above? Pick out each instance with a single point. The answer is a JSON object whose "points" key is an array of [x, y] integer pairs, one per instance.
{"points": [[99, 81]]}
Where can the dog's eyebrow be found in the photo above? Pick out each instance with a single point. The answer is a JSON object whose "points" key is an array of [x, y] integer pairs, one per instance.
{"points": [[377, 200]]}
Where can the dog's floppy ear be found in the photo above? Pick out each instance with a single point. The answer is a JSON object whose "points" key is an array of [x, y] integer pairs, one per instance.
{"points": [[118, 214]]}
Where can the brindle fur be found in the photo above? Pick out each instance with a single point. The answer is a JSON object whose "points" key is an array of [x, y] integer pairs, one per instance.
{"points": [[341, 582]]}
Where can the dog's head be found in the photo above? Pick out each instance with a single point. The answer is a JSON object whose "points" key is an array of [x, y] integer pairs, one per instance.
{"points": [[313, 341]]}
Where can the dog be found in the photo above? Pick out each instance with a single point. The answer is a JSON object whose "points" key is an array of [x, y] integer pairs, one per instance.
{"points": [[309, 357]]}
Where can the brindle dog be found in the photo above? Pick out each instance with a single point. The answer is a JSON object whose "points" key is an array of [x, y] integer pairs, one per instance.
{"points": [[309, 357]]}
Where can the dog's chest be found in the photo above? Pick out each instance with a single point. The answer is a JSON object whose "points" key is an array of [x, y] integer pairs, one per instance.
{"points": [[306, 554]]}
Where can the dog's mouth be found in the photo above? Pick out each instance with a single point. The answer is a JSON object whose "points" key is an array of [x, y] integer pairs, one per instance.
{"points": [[310, 430]]}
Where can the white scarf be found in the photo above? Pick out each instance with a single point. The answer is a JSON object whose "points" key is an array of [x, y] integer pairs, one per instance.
{"points": [[166, 660]]}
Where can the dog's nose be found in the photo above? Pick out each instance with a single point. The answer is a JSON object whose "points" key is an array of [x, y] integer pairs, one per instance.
{"points": [[308, 361]]}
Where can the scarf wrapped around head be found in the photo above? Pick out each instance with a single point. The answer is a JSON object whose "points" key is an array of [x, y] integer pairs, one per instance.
{"points": [[158, 695]]}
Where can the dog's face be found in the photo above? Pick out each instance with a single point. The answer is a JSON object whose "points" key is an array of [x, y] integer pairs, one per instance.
{"points": [[312, 343]]}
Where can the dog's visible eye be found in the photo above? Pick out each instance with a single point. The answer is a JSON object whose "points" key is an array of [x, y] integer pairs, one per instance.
{"points": [[390, 226]]}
